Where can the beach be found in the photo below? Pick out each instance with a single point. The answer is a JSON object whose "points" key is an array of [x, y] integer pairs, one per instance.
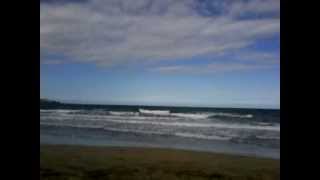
{"points": [[92, 162], [83, 142], [250, 132], [159, 90]]}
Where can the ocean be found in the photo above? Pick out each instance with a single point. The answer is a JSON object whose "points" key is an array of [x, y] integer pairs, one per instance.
{"points": [[251, 132]]}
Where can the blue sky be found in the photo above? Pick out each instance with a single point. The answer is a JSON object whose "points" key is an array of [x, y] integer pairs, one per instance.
{"points": [[186, 53]]}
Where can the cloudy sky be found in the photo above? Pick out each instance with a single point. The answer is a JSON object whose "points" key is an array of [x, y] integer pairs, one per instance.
{"points": [[161, 52]]}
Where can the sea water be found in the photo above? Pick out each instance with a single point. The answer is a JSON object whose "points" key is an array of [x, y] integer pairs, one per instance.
{"points": [[253, 132]]}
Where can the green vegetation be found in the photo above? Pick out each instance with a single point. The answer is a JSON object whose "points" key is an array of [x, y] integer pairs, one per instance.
{"points": [[80, 162]]}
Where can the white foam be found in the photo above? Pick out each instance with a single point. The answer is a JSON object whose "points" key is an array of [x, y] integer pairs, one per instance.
{"points": [[58, 110], [90, 117], [72, 125], [215, 125], [201, 136], [186, 135], [232, 115], [264, 124], [123, 113], [154, 112], [191, 116], [149, 112], [268, 137], [162, 121], [185, 124]]}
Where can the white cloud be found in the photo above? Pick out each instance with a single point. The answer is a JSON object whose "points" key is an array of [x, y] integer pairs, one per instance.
{"points": [[211, 68], [111, 32], [53, 61]]}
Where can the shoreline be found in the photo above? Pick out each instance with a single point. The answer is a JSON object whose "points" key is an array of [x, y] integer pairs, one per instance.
{"points": [[107, 162], [151, 147], [104, 138]]}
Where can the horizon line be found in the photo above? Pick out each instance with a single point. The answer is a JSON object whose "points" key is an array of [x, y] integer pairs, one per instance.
{"points": [[80, 102]]}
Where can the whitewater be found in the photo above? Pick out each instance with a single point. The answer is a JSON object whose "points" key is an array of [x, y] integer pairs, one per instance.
{"points": [[253, 132]]}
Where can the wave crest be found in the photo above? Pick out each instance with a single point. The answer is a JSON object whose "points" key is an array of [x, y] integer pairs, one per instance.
{"points": [[154, 112]]}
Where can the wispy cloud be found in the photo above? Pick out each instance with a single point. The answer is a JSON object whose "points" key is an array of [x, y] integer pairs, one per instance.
{"points": [[53, 61], [211, 68], [113, 32]]}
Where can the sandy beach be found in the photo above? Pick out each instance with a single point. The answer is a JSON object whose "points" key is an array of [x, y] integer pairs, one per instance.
{"points": [[89, 162]]}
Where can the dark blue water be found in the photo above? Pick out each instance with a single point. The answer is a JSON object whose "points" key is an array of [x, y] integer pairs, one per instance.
{"points": [[254, 132]]}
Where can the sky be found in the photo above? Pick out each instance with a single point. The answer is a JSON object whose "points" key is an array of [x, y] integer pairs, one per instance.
{"points": [[208, 53]]}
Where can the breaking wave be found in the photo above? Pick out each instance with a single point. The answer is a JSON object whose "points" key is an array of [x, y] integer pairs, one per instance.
{"points": [[155, 112], [123, 113], [193, 115], [145, 112], [190, 125]]}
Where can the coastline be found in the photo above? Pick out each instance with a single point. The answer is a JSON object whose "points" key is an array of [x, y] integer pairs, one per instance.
{"points": [[103, 138], [103, 162]]}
